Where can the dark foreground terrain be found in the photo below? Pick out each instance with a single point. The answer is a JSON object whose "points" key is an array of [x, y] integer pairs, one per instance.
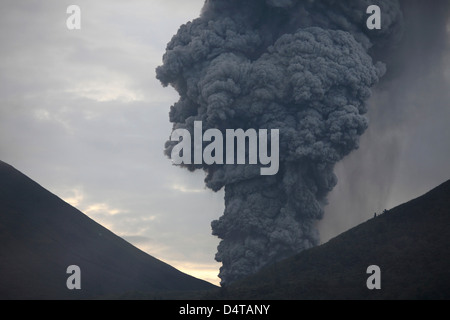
{"points": [[41, 235], [410, 244]]}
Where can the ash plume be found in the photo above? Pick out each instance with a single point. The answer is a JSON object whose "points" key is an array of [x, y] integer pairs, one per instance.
{"points": [[301, 66]]}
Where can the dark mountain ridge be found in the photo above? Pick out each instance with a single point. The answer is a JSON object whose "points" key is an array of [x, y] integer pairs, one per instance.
{"points": [[410, 244], [41, 235]]}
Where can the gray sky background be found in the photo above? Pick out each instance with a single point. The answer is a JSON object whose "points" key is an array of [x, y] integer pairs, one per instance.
{"points": [[82, 113]]}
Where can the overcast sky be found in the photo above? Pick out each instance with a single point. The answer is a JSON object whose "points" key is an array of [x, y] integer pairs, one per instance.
{"points": [[82, 113]]}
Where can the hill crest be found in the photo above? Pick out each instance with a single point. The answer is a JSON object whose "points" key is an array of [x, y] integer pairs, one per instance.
{"points": [[41, 235], [409, 243]]}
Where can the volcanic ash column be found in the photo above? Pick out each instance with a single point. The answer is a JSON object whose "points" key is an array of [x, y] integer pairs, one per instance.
{"points": [[301, 67]]}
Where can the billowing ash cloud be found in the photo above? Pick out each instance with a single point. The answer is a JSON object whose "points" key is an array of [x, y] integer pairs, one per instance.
{"points": [[300, 66]]}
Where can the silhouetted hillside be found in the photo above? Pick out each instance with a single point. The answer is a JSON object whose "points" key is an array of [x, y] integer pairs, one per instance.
{"points": [[41, 235], [410, 243]]}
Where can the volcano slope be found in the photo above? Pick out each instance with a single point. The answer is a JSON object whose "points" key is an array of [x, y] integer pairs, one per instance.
{"points": [[409, 243], [41, 236]]}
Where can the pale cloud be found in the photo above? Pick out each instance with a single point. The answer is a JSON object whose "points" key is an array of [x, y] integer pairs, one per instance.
{"points": [[74, 197], [184, 189], [207, 272], [104, 91], [102, 208]]}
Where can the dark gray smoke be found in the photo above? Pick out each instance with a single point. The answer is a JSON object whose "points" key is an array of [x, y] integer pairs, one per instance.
{"points": [[300, 66], [402, 154]]}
